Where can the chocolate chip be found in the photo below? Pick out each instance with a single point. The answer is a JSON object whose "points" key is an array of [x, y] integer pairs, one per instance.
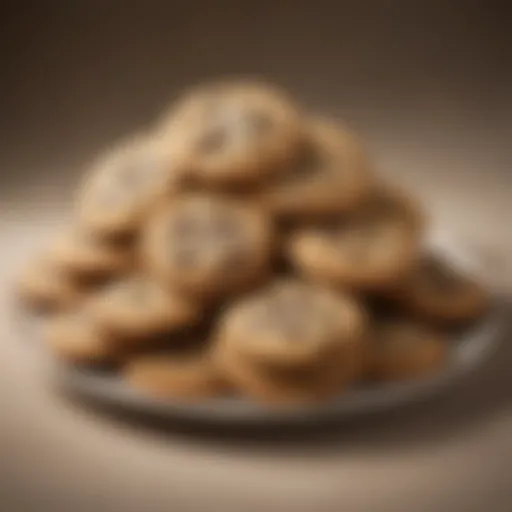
{"points": [[258, 122], [212, 139], [183, 226], [184, 257], [441, 276], [226, 228]]}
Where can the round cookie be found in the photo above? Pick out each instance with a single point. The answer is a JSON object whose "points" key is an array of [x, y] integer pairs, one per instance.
{"points": [[188, 374], [84, 255], [291, 340], [438, 292], [234, 133], [207, 246], [136, 309], [402, 349], [44, 286], [284, 384], [75, 338], [368, 249], [125, 183], [331, 176]]}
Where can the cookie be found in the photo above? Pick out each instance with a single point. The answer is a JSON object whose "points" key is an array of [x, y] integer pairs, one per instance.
{"points": [[88, 257], [44, 287], [208, 246], [125, 183], [366, 250], [188, 374], [291, 339], [331, 176], [136, 309], [402, 349], [75, 338], [437, 291], [234, 133]]}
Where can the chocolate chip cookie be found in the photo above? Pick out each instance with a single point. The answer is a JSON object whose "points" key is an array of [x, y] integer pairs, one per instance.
{"points": [[403, 349], [185, 373], [74, 337], [135, 309], [291, 341], [125, 183], [368, 249], [332, 175], [437, 291], [234, 133], [85, 256], [208, 246], [44, 286]]}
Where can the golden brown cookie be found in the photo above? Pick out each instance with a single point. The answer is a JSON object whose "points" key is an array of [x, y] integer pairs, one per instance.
{"points": [[125, 183], [332, 175], [403, 349], [187, 374], [291, 340], [234, 133], [437, 291], [136, 309], [44, 286], [207, 246], [75, 338], [368, 249], [85, 256]]}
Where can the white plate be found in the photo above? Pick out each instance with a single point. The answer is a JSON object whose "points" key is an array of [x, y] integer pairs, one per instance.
{"points": [[468, 352]]}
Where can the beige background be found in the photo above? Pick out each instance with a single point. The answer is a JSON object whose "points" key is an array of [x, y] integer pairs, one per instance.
{"points": [[428, 87]]}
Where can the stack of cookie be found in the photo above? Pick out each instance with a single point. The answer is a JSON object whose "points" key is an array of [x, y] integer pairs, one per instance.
{"points": [[245, 246]]}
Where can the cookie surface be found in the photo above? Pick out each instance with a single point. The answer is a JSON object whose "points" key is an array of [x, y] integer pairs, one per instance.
{"points": [[125, 183], [135, 309], [332, 175], [44, 287], [75, 338], [234, 132], [401, 349], [190, 374], [367, 249], [207, 246], [437, 291]]}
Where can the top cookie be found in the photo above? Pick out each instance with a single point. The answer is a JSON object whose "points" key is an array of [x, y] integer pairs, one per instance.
{"points": [[332, 174], [234, 133], [126, 182], [208, 246]]}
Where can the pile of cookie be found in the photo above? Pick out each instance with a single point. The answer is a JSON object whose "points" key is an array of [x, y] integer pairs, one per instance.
{"points": [[243, 246]]}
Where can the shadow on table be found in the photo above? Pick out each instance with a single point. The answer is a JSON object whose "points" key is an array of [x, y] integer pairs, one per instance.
{"points": [[469, 404]]}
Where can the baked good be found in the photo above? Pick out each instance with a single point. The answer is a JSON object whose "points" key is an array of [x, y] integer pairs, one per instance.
{"points": [[75, 338], [234, 133], [332, 175], [125, 183], [208, 246], [291, 341], [436, 291], [366, 250], [43, 286], [136, 309], [403, 349], [186, 373], [85, 256]]}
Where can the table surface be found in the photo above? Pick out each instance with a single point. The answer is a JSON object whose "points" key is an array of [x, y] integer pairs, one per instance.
{"points": [[446, 142]]}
